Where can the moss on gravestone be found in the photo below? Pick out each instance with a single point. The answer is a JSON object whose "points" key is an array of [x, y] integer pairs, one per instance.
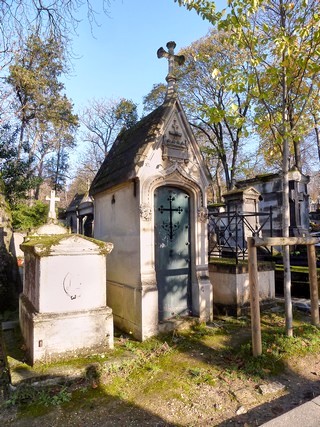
{"points": [[46, 242]]}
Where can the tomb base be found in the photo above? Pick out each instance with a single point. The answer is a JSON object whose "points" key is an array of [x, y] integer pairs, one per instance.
{"points": [[231, 291], [52, 336]]}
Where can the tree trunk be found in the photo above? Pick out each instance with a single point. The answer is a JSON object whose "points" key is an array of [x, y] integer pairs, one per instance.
{"points": [[20, 144], [316, 130], [285, 188], [40, 173], [297, 154], [56, 177], [218, 183]]}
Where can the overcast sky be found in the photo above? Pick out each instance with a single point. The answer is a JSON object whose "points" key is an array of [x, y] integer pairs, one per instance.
{"points": [[119, 60]]}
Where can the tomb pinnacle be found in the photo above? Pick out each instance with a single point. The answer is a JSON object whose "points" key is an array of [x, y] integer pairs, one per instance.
{"points": [[172, 59]]}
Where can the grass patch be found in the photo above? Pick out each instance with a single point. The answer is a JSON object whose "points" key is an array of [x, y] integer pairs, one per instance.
{"points": [[176, 365], [297, 269]]}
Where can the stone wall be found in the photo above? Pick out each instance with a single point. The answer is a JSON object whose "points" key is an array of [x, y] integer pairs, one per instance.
{"points": [[9, 277]]}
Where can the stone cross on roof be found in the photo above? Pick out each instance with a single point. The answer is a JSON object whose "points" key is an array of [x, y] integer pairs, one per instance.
{"points": [[172, 59], [52, 209]]}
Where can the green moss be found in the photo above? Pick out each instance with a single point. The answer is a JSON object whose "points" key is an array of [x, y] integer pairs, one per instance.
{"points": [[44, 243], [231, 265], [32, 411], [227, 261], [175, 366], [79, 362]]}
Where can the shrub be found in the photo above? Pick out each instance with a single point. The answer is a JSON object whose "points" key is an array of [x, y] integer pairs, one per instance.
{"points": [[27, 217]]}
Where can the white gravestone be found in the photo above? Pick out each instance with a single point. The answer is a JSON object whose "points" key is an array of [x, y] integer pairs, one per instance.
{"points": [[63, 309]]}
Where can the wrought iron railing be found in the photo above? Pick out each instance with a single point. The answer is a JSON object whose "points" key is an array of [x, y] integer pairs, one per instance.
{"points": [[228, 232]]}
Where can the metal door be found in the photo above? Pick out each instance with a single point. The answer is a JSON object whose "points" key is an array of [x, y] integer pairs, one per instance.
{"points": [[172, 253]]}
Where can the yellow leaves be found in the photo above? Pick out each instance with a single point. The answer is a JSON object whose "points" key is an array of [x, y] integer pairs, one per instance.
{"points": [[254, 62], [205, 8], [313, 67], [285, 63], [271, 150], [215, 73], [216, 115], [304, 31], [234, 107]]}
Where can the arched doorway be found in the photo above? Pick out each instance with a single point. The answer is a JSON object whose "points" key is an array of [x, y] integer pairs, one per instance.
{"points": [[172, 251]]}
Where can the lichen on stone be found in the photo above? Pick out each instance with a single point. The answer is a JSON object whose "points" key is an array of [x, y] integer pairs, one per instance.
{"points": [[42, 244]]}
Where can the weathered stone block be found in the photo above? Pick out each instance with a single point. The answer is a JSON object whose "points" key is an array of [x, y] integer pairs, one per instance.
{"points": [[50, 336], [230, 282]]}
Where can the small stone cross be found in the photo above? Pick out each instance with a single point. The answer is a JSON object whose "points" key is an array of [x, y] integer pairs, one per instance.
{"points": [[52, 209], [172, 58], [175, 133]]}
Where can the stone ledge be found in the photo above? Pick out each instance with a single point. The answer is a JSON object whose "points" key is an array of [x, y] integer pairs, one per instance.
{"points": [[232, 268]]}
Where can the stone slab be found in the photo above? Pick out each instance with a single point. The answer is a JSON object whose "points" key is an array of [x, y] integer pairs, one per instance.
{"points": [[306, 415], [51, 336]]}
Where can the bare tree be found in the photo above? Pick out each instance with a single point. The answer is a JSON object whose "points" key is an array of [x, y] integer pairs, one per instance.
{"points": [[102, 121], [54, 18]]}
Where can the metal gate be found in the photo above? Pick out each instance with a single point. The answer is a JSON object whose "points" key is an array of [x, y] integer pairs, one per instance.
{"points": [[172, 251]]}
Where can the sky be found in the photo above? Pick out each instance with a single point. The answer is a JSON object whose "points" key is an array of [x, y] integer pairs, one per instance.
{"points": [[119, 59]]}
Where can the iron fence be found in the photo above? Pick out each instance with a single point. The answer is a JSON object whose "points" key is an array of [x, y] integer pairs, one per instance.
{"points": [[228, 232]]}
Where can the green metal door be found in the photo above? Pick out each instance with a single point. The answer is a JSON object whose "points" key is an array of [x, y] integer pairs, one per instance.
{"points": [[172, 253]]}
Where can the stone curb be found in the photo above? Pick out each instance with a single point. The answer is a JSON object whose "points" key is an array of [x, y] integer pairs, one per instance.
{"points": [[306, 415]]}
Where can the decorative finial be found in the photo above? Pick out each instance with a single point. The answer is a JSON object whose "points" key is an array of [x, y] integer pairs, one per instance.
{"points": [[172, 58]]}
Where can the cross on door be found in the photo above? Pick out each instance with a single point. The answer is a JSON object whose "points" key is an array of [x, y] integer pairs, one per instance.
{"points": [[52, 210], [170, 226]]}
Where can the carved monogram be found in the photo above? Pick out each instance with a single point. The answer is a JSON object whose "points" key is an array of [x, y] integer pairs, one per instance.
{"points": [[145, 212]]}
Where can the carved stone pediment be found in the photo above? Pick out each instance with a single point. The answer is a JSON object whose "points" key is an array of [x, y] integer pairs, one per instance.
{"points": [[174, 146]]}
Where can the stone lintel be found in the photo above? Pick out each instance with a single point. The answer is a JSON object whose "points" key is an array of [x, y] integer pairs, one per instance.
{"points": [[232, 268]]}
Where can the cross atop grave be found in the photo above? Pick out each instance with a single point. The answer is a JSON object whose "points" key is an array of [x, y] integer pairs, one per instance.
{"points": [[52, 209], [172, 59]]}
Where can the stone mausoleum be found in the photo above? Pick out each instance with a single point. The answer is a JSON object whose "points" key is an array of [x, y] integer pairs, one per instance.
{"points": [[269, 187], [150, 202]]}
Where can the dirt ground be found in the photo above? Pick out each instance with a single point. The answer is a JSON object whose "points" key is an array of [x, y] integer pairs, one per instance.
{"points": [[157, 395]]}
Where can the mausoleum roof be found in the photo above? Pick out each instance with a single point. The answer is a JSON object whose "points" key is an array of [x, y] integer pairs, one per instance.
{"points": [[130, 148], [78, 199], [238, 191], [294, 175]]}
